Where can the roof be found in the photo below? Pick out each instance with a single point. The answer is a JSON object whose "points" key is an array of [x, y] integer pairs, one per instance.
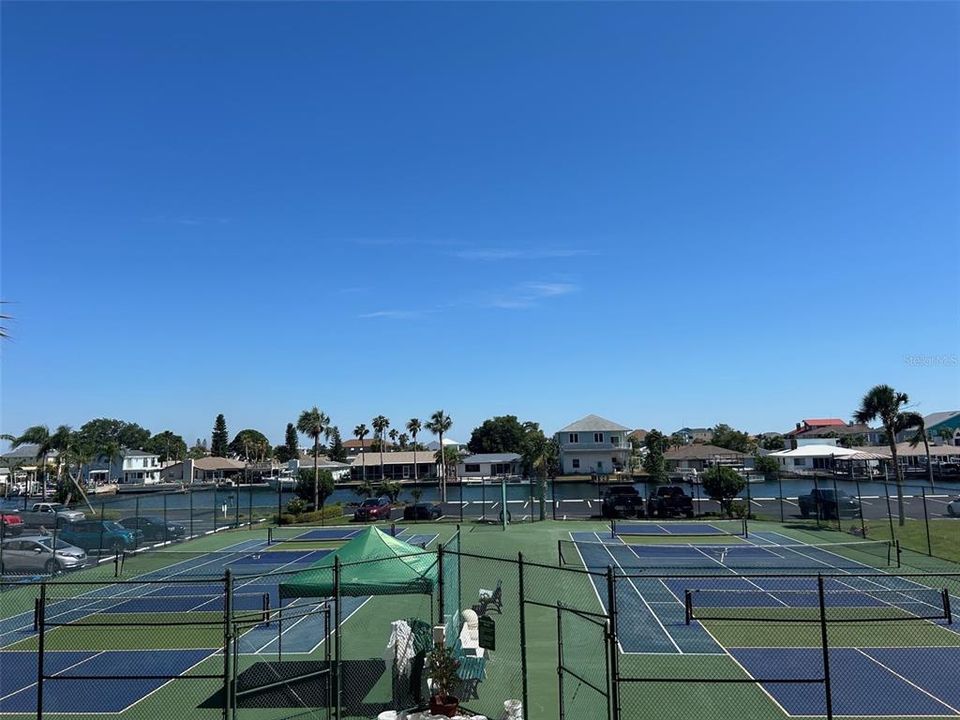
{"points": [[700, 452], [405, 457], [639, 434], [372, 563], [905, 449], [447, 442], [128, 452], [823, 422], [218, 463], [594, 423], [323, 462], [367, 443], [491, 458], [845, 429], [814, 450], [27, 451]]}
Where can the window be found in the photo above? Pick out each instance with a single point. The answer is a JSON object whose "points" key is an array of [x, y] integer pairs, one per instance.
{"points": [[614, 440], [573, 438], [799, 462], [471, 467], [576, 463], [598, 437]]}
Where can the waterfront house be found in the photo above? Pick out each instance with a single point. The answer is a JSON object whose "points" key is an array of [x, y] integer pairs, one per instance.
{"points": [[398, 465], [700, 457], [695, 435], [128, 467], [935, 424], [593, 445], [353, 446], [490, 465], [205, 469]]}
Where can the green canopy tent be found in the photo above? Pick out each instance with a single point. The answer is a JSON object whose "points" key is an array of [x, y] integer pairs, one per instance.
{"points": [[372, 563]]}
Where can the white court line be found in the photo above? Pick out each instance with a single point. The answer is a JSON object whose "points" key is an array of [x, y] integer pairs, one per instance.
{"points": [[908, 682], [640, 595]]}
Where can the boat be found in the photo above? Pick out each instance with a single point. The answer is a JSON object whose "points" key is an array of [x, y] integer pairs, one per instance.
{"points": [[284, 482]]}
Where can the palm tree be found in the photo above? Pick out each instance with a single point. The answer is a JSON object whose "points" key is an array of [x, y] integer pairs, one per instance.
{"points": [[380, 425], [946, 434], [413, 427], [393, 436], [440, 423], [403, 441], [40, 436], [360, 432], [915, 420], [314, 423], [885, 403]]}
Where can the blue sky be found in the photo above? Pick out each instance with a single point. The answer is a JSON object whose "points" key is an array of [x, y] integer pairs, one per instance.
{"points": [[666, 214]]}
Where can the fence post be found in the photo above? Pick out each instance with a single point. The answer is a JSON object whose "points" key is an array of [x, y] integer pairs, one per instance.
{"points": [[227, 643], [166, 522], [886, 491], [559, 659], [441, 597], [190, 508], [836, 497], [523, 635], [826, 652], [863, 523], [926, 521], [41, 619], [553, 497], [337, 649], [780, 493], [236, 502], [250, 508], [614, 660], [326, 652]]}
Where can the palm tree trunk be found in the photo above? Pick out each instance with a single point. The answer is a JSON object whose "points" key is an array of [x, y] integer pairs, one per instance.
{"points": [[415, 478], [898, 474], [443, 471], [926, 448], [316, 473], [382, 474]]}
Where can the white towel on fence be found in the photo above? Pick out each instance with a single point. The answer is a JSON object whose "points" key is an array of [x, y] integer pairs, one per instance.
{"points": [[399, 650]]}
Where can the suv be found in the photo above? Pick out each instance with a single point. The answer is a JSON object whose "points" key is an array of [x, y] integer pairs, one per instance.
{"points": [[621, 501], [828, 504], [154, 528], [11, 524], [670, 501], [100, 535], [373, 509]]}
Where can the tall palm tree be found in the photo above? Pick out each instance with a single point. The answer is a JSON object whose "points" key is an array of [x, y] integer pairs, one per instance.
{"points": [[438, 424], [413, 427], [885, 403], [314, 423], [946, 434], [915, 420], [360, 432], [393, 436], [40, 436], [380, 425]]}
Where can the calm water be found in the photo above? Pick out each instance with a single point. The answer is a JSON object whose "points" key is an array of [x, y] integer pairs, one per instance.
{"points": [[266, 497]]}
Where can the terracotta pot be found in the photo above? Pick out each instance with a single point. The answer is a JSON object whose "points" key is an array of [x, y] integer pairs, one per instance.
{"points": [[449, 705]]}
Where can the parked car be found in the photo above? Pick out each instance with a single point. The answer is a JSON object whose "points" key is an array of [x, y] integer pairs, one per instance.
{"points": [[670, 501], [828, 504], [621, 501], [422, 511], [154, 528], [373, 509], [953, 508], [40, 554], [50, 514], [99, 535], [11, 525]]}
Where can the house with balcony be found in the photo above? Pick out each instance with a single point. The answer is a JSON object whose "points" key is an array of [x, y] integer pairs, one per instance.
{"points": [[396, 465], [593, 445], [128, 467], [490, 465]]}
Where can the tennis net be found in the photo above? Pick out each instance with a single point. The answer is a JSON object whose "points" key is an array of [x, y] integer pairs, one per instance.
{"points": [[853, 604], [321, 534], [718, 559], [679, 528]]}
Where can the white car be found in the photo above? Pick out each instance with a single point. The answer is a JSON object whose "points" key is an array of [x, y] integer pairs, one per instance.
{"points": [[953, 509], [37, 555]]}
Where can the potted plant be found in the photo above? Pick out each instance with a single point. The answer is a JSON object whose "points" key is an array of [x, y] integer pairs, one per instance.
{"points": [[442, 669]]}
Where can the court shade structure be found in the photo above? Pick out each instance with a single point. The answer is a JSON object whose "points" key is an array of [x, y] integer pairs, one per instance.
{"points": [[372, 563]]}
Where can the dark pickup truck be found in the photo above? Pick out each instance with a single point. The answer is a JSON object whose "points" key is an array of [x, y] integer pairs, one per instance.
{"points": [[670, 501], [621, 501], [828, 504]]}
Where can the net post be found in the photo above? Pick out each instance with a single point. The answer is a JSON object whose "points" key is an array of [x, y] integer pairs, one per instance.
{"points": [[746, 529], [688, 605], [41, 618], [266, 608], [897, 548], [36, 614], [559, 552], [269, 536], [227, 643], [523, 633], [825, 645], [947, 614], [613, 527]]}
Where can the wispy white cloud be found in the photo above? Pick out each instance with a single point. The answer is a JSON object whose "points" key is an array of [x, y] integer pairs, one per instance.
{"points": [[498, 254], [190, 220], [530, 294], [392, 314]]}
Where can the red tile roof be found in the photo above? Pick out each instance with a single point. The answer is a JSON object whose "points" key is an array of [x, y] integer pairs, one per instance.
{"points": [[823, 422]]}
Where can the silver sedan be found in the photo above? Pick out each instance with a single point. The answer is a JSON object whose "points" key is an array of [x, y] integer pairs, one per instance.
{"points": [[39, 555]]}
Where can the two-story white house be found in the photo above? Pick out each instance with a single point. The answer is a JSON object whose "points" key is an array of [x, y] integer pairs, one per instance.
{"points": [[593, 445], [129, 466]]}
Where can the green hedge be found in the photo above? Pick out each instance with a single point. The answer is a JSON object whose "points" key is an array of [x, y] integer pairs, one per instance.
{"points": [[328, 512]]}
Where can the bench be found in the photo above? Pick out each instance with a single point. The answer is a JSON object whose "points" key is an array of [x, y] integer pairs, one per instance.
{"points": [[490, 598]]}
